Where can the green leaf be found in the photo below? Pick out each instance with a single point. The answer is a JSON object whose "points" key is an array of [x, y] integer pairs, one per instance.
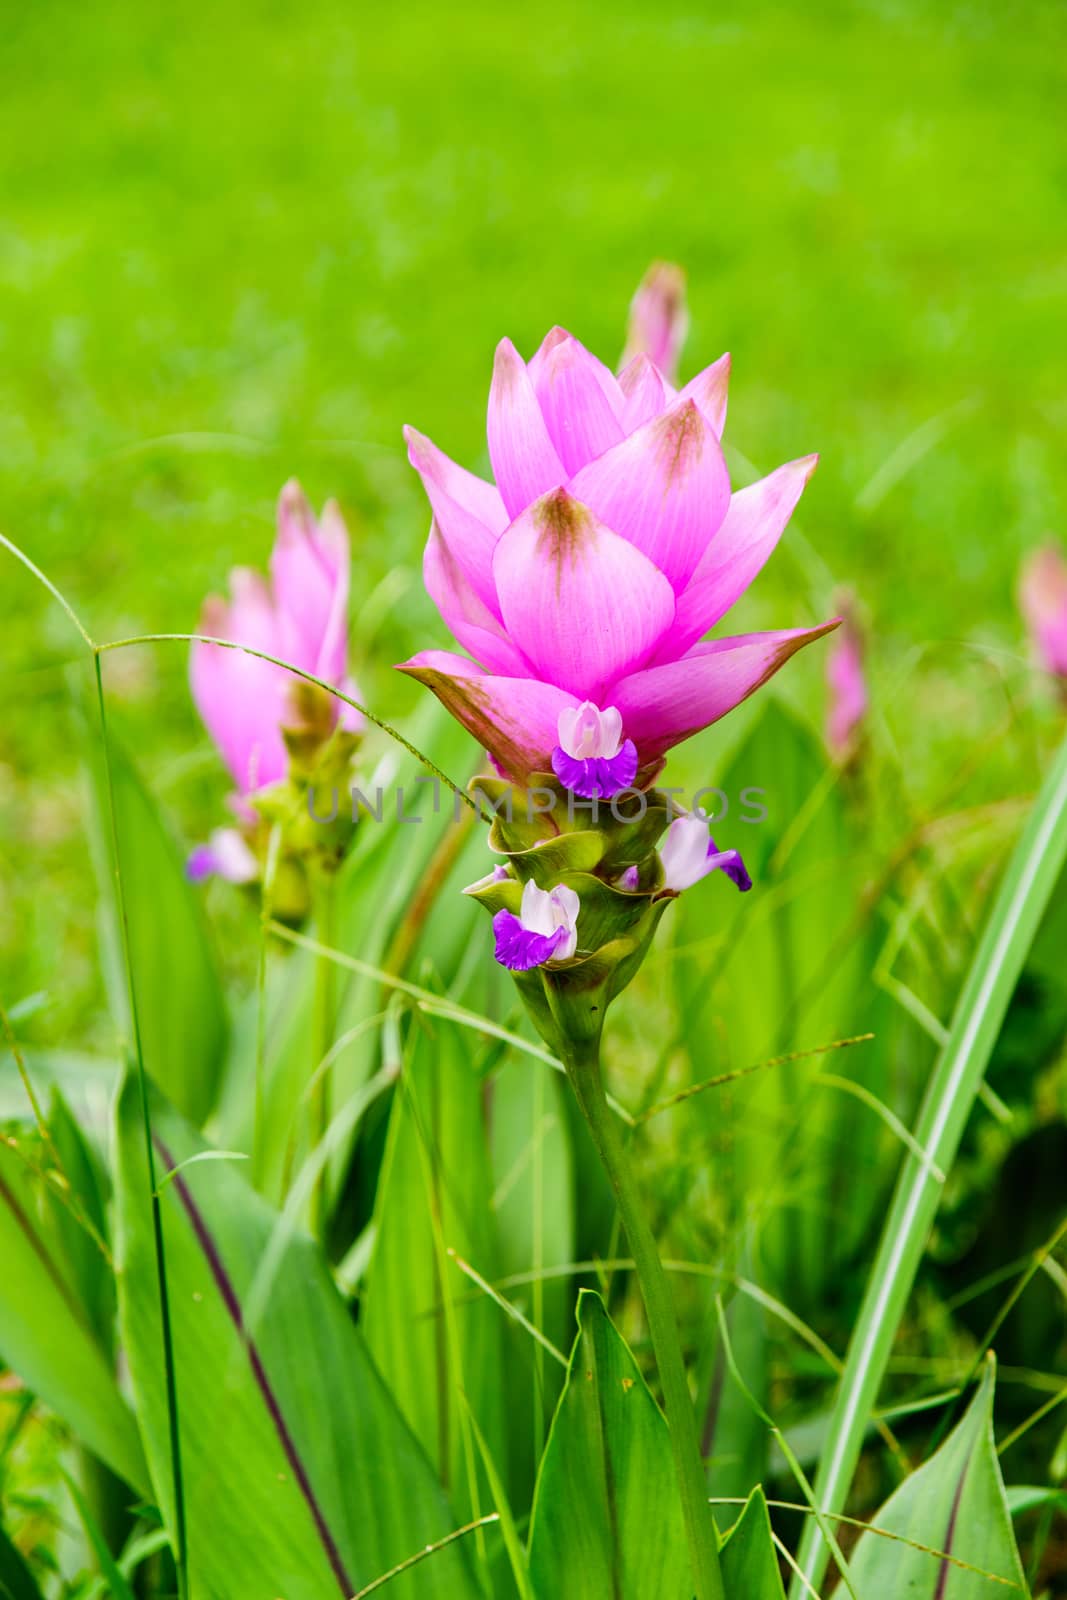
{"points": [[47, 1333], [430, 1338], [793, 972], [16, 1580], [81, 1226], [301, 1478], [118, 1588], [1034, 1497], [955, 1504], [534, 1206], [375, 887], [1024, 893], [749, 1560], [735, 1435], [180, 1008], [606, 1517]]}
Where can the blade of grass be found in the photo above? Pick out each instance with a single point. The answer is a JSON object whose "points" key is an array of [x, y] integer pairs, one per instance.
{"points": [[724, 1078], [298, 672], [512, 1543], [181, 1554], [1024, 893], [422, 1555], [509, 1310], [50, 586], [118, 1588], [783, 1444]]}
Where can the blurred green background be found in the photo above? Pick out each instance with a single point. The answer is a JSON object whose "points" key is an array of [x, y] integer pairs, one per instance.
{"points": [[252, 240]]}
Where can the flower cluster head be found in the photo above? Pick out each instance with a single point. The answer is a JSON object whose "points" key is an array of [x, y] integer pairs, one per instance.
{"points": [[590, 573], [270, 725], [582, 585], [1043, 598]]}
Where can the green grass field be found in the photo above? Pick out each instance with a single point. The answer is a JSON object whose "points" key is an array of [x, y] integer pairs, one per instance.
{"points": [[247, 241]]}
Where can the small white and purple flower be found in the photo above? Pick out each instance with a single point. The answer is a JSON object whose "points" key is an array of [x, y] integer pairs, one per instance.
{"points": [[689, 853], [546, 929], [592, 759], [226, 855]]}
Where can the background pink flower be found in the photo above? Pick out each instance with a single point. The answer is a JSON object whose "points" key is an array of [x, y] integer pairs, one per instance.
{"points": [[300, 616], [659, 318], [846, 682], [1043, 599]]}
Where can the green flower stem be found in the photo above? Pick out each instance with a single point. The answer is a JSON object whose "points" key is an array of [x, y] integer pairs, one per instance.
{"points": [[322, 1039], [582, 1061]]}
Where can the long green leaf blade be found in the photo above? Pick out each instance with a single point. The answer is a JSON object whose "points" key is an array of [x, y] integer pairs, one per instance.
{"points": [[301, 1477], [607, 1519], [1024, 894], [954, 1506]]}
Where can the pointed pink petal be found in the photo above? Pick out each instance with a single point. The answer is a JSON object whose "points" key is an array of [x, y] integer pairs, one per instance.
{"points": [[525, 463], [582, 414], [480, 499], [754, 523], [582, 604], [664, 705], [709, 390], [457, 508], [332, 656], [242, 698], [470, 622], [553, 337], [665, 489], [604, 376], [646, 390], [515, 719]]}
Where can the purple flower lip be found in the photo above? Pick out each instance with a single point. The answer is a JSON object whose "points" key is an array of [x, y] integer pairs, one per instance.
{"points": [[544, 930], [592, 759], [689, 853], [518, 949], [596, 777]]}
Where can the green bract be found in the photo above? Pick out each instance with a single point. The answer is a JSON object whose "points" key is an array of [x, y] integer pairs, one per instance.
{"points": [[550, 839]]}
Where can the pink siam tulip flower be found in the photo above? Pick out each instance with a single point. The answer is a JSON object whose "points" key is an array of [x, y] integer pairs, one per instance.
{"points": [[546, 928], [659, 319], [847, 684], [586, 580], [1043, 599], [689, 853], [300, 616]]}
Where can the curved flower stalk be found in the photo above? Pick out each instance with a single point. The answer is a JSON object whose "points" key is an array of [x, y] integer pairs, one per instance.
{"points": [[847, 684], [582, 585], [1043, 600], [278, 734]]}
